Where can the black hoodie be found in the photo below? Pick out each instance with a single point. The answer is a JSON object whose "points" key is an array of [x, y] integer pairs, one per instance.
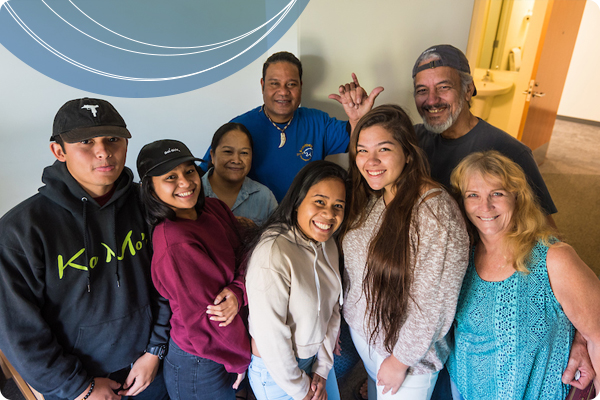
{"points": [[62, 323]]}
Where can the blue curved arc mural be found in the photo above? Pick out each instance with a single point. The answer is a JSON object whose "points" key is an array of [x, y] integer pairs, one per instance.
{"points": [[281, 15], [169, 47], [143, 48], [214, 45]]}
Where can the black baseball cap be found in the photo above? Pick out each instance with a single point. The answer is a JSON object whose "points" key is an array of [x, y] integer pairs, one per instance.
{"points": [[159, 157], [82, 119]]}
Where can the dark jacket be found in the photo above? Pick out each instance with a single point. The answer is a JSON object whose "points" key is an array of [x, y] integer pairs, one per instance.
{"points": [[62, 323]]}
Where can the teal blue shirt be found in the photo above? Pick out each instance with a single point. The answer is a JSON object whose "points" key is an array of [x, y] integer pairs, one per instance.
{"points": [[254, 201], [512, 338]]}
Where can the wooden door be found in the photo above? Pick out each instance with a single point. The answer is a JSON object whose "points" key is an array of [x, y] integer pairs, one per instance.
{"points": [[545, 87]]}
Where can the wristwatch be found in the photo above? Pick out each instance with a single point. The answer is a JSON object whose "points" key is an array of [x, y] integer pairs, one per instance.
{"points": [[160, 351]]}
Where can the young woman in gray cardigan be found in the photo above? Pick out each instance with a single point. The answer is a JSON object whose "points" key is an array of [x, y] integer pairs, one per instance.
{"points": [[405, 252]]}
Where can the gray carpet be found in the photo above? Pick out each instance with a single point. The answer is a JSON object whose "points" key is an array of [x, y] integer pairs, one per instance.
{"points": [[577, 197], [572, 173], [9, 390]]}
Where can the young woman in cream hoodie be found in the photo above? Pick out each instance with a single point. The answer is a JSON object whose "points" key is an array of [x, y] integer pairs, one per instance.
{"points": [[294, 288]]}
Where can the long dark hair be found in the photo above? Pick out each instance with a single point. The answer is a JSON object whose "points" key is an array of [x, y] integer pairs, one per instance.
{"points": [[285, 216], [389, 263], [157, 210]]}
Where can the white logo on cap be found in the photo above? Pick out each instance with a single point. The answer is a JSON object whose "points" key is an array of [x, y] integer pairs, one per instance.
{"points": [[172, 150], [91, 108]]}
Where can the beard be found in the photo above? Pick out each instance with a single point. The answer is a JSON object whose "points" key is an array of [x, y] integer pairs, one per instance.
{"points": [[441, 127]]}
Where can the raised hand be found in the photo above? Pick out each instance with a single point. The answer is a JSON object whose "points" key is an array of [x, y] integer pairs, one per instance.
{"points": [[354, 99]]}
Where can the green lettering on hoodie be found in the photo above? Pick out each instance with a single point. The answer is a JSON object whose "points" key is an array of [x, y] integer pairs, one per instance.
{"points": [[127, 245]]}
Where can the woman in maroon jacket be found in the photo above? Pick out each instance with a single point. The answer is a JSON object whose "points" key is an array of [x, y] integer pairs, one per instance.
{"points": [[196, 266]]}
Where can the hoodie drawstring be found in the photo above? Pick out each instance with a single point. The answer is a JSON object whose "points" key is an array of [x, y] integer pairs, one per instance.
{"points": [[317, 281], [114, 216], [84, 200]]}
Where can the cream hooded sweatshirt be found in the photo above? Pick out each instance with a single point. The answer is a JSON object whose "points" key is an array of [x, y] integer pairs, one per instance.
{"points": [[294, 295]]}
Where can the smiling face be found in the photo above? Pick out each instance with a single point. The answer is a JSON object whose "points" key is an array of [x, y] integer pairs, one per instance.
{"points": [[322, 211], [488, 205], [232, 158], [179, 189], [282, 91], [439, 98], [95, 163], [380, 159]]}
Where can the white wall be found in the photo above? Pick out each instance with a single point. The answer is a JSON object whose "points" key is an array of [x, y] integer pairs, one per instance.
{"points": [[580, 95], [29, 100], [377, 39], [517, 30]]}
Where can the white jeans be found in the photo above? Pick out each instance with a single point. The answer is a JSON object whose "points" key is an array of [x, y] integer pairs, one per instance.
{"points": [[414, 387]]}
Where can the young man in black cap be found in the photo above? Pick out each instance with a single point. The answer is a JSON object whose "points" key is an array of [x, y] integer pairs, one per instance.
{"points": [[79, 317]]}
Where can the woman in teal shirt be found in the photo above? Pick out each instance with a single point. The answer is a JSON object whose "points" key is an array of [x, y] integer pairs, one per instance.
{"points": [[522, 294]]}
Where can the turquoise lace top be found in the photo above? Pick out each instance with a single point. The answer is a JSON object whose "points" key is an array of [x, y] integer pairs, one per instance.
{"points": [[511, 338]]}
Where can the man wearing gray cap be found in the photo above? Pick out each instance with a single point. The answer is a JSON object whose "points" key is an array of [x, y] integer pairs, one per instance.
{"points": [[79, 317], [443, 87]]}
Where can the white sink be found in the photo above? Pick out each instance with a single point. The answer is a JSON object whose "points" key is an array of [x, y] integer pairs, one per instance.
{"points": [[481, 105], [487, 89]]}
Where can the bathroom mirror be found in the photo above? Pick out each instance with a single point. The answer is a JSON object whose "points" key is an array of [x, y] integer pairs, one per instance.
{"points": [[507, 22]]}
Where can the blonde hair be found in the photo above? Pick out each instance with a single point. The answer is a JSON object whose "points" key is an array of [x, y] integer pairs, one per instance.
{"points": [[528, 224]]}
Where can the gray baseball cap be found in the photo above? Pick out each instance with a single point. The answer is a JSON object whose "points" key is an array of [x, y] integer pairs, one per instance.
{"points": [[449, 55]]}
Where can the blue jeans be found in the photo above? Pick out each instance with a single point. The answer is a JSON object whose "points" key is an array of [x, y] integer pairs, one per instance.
{"points": [[333, 392], [155, 391], [189, 377], [262, 383], [442, 390], [331, 386]]}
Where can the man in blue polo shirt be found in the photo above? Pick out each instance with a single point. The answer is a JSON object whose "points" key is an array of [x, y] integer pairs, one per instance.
{"points": [[287, 136]]}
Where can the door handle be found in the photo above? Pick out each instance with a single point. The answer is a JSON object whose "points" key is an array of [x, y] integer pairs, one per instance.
{"points": [[530, 93]]}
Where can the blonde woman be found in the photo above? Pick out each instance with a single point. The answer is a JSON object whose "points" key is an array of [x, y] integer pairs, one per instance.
{"points": [[523, 293]]}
